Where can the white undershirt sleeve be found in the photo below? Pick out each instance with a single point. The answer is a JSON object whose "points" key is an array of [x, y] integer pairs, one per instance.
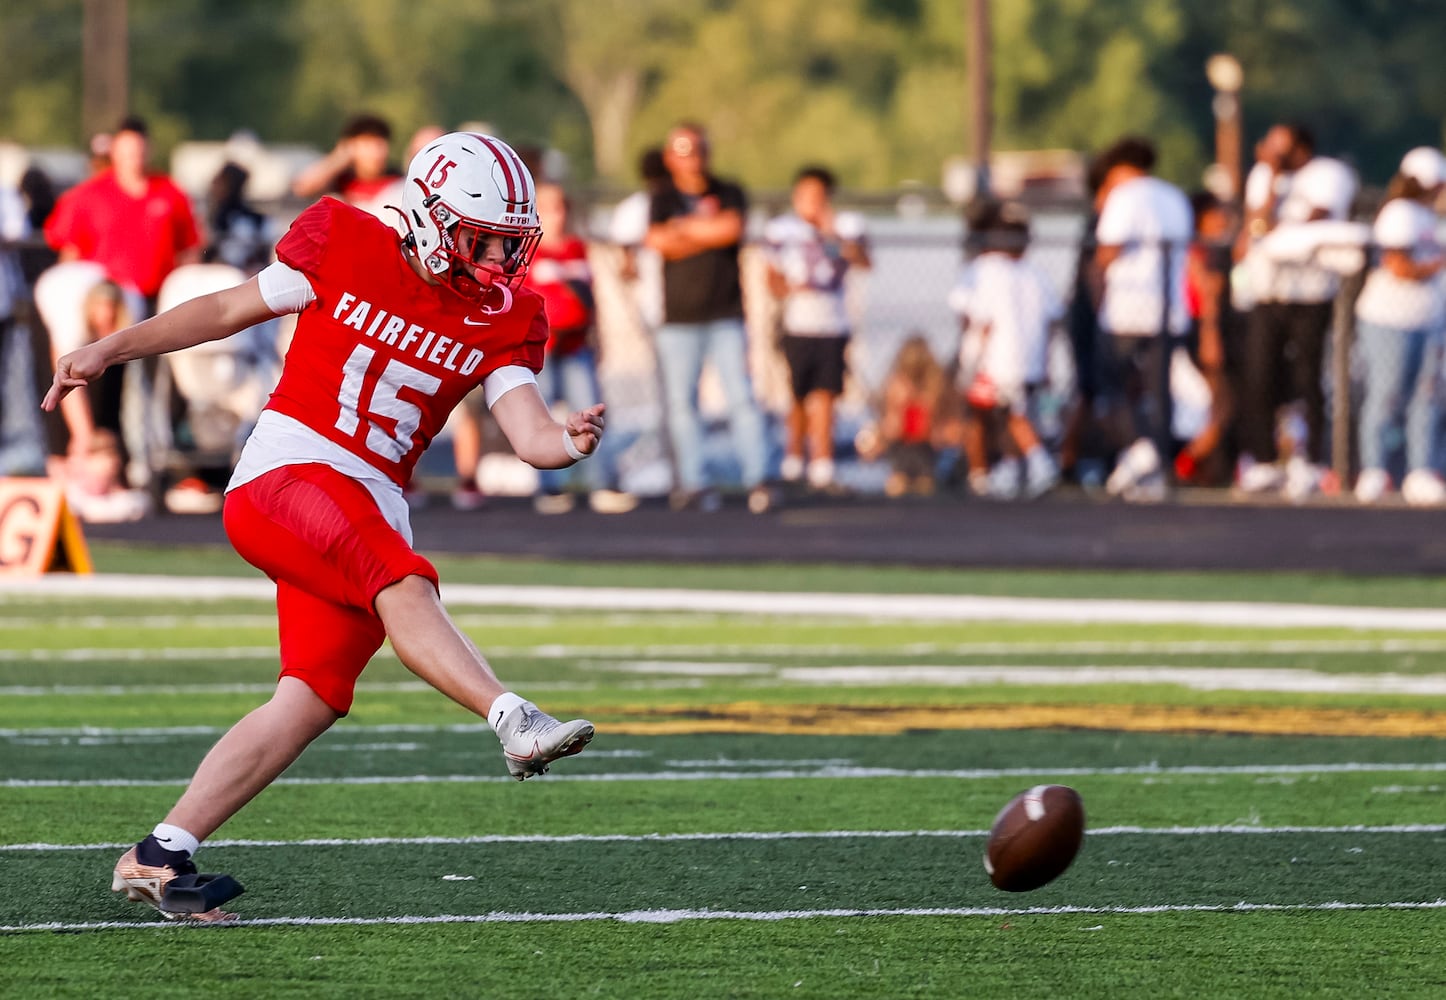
{"points": [[504, 380], [284, 289]]}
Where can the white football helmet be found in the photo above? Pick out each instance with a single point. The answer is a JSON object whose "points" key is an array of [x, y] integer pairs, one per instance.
{"points": [[459, 190]]}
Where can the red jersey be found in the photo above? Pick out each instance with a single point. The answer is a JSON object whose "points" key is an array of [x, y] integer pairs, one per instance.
{"points": [[561, 275], [381, 357], [135, 239]]}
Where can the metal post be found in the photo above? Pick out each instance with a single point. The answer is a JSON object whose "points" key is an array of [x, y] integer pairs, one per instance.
{"points": [[1343, 331], [981, 88], [105, 65]]}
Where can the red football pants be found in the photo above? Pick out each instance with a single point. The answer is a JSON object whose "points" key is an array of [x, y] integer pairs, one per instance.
{"points": [[320, 536]]}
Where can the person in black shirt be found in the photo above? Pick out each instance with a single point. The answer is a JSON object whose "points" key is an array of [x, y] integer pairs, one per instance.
{"points": [[696, 226]]}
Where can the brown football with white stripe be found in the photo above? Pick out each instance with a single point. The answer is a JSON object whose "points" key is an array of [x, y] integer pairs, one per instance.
{"points": [[1035, 837]]}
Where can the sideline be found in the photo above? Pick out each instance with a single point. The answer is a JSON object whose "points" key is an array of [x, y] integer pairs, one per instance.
{"points": [[668, 838], [834, 773], [904, 607], [678, 916]]}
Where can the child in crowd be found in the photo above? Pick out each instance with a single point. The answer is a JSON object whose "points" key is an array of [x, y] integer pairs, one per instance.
{"points": [[914, 394], [810, 252], [1006, 307]]}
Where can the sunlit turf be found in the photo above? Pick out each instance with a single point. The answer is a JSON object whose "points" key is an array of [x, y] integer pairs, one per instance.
{"points": [[81, 737], [1322, 588]]}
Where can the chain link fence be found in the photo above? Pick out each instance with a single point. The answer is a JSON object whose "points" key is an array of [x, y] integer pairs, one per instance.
{"points": [[915, 263]]}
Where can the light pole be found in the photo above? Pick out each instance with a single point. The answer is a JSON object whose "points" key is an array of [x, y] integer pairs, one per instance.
{"points": [[105, 69], [980, 93], [1226, 76]]}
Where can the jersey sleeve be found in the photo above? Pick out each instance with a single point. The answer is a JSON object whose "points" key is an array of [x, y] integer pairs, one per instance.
{"points": [[305, 242], [530, 352]]}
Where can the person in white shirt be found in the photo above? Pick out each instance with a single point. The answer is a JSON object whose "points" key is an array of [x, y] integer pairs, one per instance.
{"points": [[1289, 186], [1399, 321], [1143, 237], [1006, 307], [810, 252], [628, 229]]}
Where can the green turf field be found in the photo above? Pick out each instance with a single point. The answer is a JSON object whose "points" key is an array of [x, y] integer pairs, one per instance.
{"points": [[775, 805]]}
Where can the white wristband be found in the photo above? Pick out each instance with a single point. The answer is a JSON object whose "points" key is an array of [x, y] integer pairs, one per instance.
{"points": [[573, 453]]}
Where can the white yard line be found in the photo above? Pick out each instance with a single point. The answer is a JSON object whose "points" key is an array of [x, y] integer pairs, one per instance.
{"points": [[674, 673], [851, 773], [665, 838], [906, 607], [659, 916]]}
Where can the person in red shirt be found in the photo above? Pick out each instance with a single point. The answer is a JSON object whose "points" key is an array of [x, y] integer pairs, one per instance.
{"points": [[138, 225], [391, 333], [562, 276], [358, 170]]}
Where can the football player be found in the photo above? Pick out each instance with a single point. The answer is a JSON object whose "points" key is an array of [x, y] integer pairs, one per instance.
{"points": [[392, 331]]}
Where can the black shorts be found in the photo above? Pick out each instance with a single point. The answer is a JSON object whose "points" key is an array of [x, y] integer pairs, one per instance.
{"points": [[814, 363]]}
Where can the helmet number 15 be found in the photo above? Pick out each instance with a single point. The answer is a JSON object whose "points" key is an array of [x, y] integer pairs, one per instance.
{"points": [[382, 401], [437, 173]]}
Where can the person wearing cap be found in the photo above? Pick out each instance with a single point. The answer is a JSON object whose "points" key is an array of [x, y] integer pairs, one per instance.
{"points": [[1400, 316]]}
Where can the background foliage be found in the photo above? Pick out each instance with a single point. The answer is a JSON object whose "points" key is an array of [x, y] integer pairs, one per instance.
{"points": [[875, 87]]}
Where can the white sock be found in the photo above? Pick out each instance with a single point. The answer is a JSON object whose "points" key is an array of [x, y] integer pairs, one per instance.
{"points": [[503, 705], [173, 838]]}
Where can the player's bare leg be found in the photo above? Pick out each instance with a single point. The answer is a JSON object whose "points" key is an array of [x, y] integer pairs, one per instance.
{"points": [[432, 647], [251, 755]]}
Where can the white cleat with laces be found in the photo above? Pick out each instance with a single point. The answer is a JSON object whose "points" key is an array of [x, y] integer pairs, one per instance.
{"points": [[532, 739]]}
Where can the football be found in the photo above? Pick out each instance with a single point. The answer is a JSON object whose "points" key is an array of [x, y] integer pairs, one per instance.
{"points": [[1034, 838]]}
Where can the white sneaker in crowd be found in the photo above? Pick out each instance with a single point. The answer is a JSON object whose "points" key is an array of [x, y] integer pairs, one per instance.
{"points": [[1423, 488], [790, 470], [1372, 485], [1302, 479], [611, 501], [1259, 477], [554, 503], [820, 473], [1041, 474], [1136, 464], [1005, 480]]}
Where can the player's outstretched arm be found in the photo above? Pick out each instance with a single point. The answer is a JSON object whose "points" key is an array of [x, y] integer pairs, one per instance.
{"points": [[210, 317], [541, 441]]}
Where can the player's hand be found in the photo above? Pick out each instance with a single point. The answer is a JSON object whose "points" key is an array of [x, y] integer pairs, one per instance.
{"points": [[585, 427], [74, 370]]}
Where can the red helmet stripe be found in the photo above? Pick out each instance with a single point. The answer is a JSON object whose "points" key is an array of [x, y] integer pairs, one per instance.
{"points": [[508, 176]]}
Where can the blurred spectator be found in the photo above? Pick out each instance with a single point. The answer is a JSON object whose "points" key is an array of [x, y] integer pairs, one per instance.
{"points": [[914, 395], [1291, 304], [358, 170], [136, 224], [1143, 232], [19, 433], [810, 252], [1208, 459], [696, 225], [88, 453], [561, 275], [1083, 450], [38, 193], [628, 228], [1399, 320], [1006, 308], [239, 235]]}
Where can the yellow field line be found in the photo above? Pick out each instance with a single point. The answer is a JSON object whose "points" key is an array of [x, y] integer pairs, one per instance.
{"points": [[846, 720]]}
